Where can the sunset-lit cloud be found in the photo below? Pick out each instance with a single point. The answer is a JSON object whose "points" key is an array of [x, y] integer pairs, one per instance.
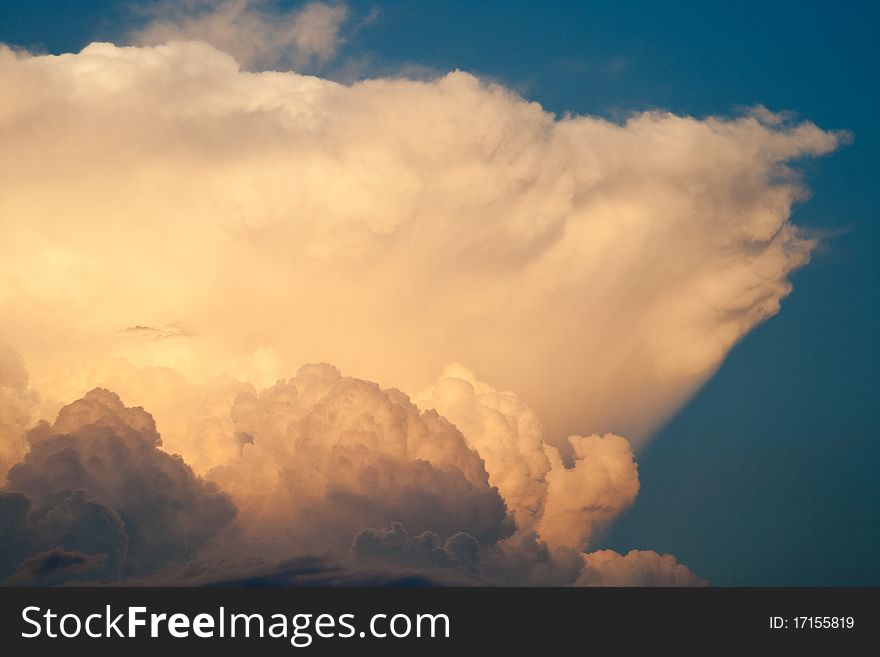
{"points": [[184, 233], [328, 461], [565, 505], [256, 32], [17, 404], [600, 270], [635, 568], [344, 454], [97, 497]]}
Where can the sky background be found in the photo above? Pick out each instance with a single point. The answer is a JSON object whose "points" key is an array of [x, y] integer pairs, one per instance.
{"points": [[780, 447]]}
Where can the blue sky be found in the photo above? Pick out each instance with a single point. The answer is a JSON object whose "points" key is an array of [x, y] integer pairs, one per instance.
{"points": [[781, 446]]}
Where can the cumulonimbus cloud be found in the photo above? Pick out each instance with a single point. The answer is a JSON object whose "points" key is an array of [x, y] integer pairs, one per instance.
{"points": [[186, 233], [600, 270]]}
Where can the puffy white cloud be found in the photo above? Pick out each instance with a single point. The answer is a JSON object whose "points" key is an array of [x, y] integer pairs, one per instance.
{"points": [[600, 270], [635, 568], [257, 32]]}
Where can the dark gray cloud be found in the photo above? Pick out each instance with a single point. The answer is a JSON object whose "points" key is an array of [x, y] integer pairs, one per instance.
{"points": [[318, 571], [96, 483], [57, 566], [36, 538], [427, 550], [521, 560], [16, 541], [165, 332]]}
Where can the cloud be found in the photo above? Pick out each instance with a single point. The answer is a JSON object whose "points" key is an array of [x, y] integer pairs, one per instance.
{"points": [[596, 273], [425, 551], [157, 332], [522, 560], [16, 541], [635, 568], [17, 404], [319, 464], [344, 455], [602, 483], [526, 560], [38, 539], [257, 33], [601, 270], [56, 566], [194, 417], [302, 571], [564, 504], [506, 433], [96, 483]]}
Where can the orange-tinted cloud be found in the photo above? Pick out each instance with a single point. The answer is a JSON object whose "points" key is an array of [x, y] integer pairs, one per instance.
{"points": [[186, 233], [600, 270]]}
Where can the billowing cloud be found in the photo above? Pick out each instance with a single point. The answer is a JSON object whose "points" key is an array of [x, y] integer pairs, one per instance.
{"points": [[522, 560], [506, 433], [600, 270], [96, 484], [186, 232], [635, 568], [427, 550], [194, 417], [345, 455], [564, 504], [65, 536], [317, 464], [257, 32], [602, 483]]}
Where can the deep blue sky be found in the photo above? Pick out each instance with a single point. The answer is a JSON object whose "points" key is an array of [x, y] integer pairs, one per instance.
{"points": [[769, 475]]}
